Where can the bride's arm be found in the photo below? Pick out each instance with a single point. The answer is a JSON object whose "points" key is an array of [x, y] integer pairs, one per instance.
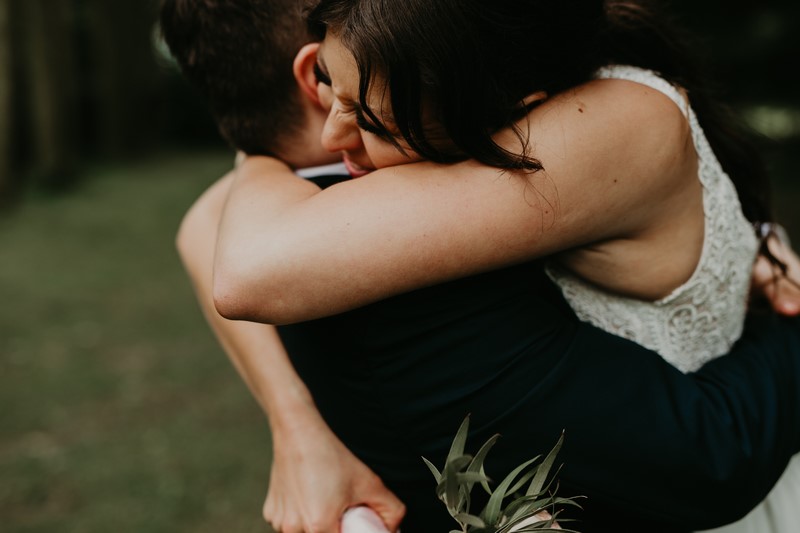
{"points": [[287, 252]]}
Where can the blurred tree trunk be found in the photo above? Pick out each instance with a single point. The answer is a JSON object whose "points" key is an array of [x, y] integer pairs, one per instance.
{"points": [[125, 73], [50, 67], [6, 115]]}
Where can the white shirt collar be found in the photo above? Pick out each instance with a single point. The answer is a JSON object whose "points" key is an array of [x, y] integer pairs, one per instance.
{"points": [[335, 169]]}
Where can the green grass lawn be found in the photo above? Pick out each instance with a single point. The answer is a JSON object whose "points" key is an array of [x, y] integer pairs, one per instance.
{"points": [[118, 411]]}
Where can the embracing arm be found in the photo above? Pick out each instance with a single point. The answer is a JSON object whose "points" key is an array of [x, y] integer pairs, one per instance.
{"points": [[287, 253], [697, 451], [254, 349], [303, 444]]}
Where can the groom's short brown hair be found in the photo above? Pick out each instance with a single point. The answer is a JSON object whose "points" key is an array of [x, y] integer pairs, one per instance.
{"points": [[239, 54]]}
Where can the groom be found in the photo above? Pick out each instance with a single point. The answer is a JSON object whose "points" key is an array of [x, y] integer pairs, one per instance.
{"points": [[236, 51], [253, 62]]}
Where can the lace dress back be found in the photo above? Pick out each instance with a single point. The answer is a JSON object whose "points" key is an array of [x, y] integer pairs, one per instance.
{"points": [[702, 318]]}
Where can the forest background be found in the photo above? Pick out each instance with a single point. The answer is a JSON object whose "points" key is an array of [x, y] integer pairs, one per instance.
{"points": [[118, 411]]}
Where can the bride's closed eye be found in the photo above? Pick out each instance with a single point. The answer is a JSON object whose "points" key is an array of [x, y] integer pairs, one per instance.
{"points": [[322, 77], [364, 124], [361, 120]]}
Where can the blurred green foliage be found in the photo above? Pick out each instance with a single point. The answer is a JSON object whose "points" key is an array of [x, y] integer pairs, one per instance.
{"points": [[751, 50], [83, 79], [118, 411]]}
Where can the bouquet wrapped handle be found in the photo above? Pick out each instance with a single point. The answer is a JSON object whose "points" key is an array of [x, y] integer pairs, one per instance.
{"points": [[362, 519]]}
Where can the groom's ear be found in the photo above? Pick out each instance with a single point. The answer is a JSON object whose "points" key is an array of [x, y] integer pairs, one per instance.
{"points": [[303, 69]]}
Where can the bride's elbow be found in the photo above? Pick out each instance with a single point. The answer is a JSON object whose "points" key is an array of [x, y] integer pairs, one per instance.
{"points": [[240, 296], [228, 300], [229, 297], [235, 297]]}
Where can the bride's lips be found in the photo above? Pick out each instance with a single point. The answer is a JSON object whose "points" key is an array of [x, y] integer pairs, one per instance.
{"points": [[354, 169]]}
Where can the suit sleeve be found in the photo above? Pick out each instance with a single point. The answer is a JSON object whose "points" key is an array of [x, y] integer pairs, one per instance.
{"points": [[697, 450]]}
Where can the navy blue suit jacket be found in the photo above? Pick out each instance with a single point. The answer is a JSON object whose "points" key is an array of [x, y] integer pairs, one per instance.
{"points": [[646, 444]]}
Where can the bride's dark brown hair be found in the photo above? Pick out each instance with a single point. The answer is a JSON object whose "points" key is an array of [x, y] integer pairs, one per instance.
{"points": [[470, 64]]}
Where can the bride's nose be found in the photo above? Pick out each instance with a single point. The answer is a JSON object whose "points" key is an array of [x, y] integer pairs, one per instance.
{"points": [[340, 133]]}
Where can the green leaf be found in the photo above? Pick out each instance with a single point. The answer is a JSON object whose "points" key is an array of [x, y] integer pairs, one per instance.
{"points": [[480, 457], [434, 470], [470, 520], [538, 525], [451, 485], [460, 440], [491, 512], [526, 506], [470, 478], [544, 469], [524, 479], [557, 500]]}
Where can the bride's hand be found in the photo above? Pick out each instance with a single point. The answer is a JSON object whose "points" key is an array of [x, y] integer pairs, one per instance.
{"points": [[315, 478], [782, 292]]}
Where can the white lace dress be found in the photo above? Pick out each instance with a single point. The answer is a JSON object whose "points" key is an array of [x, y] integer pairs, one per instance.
{"points": [[701, 319]]}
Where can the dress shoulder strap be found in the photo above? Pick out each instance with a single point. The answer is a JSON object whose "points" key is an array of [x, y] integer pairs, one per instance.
{"points": [[648, 78]]}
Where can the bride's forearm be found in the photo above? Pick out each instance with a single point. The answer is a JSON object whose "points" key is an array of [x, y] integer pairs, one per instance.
{"points": [[262, 190], [288, 253]]}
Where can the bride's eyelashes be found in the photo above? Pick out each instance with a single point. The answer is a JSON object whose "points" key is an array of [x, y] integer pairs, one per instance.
{"points": [[364, 124], [322, 77], [361, 121]]}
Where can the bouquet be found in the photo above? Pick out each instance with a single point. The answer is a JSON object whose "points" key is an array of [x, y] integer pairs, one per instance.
{"points": [[509, 509]]}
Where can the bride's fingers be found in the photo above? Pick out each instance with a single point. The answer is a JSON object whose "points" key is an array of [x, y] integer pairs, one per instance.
{"points": [[780, 291], [786, 298], [780, 288]]}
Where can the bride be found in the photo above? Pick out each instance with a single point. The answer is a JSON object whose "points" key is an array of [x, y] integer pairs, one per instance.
{"points": [[611, 171]]}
